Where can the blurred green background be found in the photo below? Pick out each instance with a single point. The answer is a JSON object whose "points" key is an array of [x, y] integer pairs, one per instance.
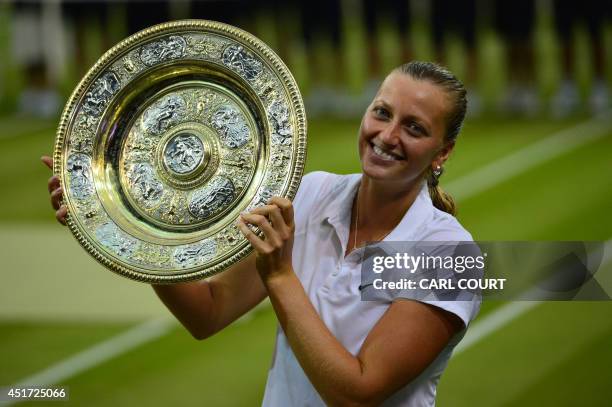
{"points": [[532, 163]]}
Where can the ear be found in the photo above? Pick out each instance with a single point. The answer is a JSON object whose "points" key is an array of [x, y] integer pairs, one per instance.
{"points": [[443, 154]]}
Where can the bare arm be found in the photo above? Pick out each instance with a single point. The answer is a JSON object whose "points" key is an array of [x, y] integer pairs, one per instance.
{"points": [[206, 307], [203, 307]]}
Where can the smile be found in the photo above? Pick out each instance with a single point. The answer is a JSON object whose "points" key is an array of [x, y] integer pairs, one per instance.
{"points": [[385, 155]]}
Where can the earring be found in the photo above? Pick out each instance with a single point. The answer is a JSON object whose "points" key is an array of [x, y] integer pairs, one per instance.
{"points": [[438, 171]]}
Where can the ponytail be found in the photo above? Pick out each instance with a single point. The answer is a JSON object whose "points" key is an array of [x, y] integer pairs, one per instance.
{"points": [[442, 200], [439, 198]]}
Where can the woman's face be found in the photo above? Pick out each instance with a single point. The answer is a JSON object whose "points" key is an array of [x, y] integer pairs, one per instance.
{"points": [[402, 132]]}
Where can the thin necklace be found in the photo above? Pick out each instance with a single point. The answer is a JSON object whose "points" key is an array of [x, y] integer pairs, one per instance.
{"points": [[357, 223]]}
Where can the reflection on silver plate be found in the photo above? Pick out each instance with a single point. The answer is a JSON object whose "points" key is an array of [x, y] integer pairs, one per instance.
{"points": [[171, 134]]}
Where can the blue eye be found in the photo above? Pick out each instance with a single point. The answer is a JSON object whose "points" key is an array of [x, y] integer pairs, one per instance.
{"points": [[416, 128], [381, 112]]}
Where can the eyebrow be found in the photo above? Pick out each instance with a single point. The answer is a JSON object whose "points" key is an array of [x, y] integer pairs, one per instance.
{"points": [[381, 101]]}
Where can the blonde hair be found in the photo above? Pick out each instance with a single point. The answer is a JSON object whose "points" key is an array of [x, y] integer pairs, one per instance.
{"points": [[442, 200], [438, 75]]}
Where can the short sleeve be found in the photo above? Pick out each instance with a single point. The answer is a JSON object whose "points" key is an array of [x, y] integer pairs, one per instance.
{"points": [[461, 302], [307, 195], [428, 271], [448, 229], [466, 310]]}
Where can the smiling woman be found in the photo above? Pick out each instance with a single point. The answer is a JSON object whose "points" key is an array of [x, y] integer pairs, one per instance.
{"points": [[333, 348]]}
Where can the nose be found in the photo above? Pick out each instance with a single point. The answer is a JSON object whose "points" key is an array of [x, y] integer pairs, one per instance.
{"points": [[390, 134]]}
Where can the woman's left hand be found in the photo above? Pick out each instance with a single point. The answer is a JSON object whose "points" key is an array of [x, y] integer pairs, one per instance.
{"points": [[275, 220]]}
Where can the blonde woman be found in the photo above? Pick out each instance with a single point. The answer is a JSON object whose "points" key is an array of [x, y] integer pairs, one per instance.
{"points": [[331, 347]]}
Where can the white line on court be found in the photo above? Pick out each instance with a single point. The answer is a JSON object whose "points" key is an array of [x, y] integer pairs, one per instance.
{"points": [[492, 322], [97, 354], [530, 157], [117, 345], [108, 349], [510, 311], [463, 188]]}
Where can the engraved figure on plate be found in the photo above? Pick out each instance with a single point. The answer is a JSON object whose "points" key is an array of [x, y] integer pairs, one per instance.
{"points": [[264, 196], [184, 153], [162, 50], [79, 168], [102, 91], [164, 113], [195, 254], [231, 125], [212, 198], [144, 183], [116, 240], [242, 61], [279, 114]]}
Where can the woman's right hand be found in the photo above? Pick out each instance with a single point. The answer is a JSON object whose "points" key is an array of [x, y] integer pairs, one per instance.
{"points": [[55, 190]]}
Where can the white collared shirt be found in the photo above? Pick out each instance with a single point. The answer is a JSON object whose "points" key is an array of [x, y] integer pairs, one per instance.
{"points": [[331, 280]]}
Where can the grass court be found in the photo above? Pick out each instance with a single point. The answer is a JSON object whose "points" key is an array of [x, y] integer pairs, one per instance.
{"points": [[55, 301]]}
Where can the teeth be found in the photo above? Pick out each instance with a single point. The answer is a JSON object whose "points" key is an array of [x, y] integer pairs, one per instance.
{"points": [[380, 152]]}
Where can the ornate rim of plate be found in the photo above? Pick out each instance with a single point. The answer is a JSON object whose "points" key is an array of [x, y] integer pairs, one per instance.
{"points": [[168, 137]]}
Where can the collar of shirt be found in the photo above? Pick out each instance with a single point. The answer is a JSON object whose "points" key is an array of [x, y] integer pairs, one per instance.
{"points": [[338, 209]]}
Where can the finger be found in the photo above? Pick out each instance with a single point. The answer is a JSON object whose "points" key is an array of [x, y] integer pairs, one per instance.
{"points": [[60, 215], [264, 210], [56, 198], [53, 183], [255, 241], [275, 216], [278, 223], [48, 161], [286, 208], [262, 222]]}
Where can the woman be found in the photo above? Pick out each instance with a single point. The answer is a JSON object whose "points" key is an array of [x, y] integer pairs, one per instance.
{"points": [[332, 347]]}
